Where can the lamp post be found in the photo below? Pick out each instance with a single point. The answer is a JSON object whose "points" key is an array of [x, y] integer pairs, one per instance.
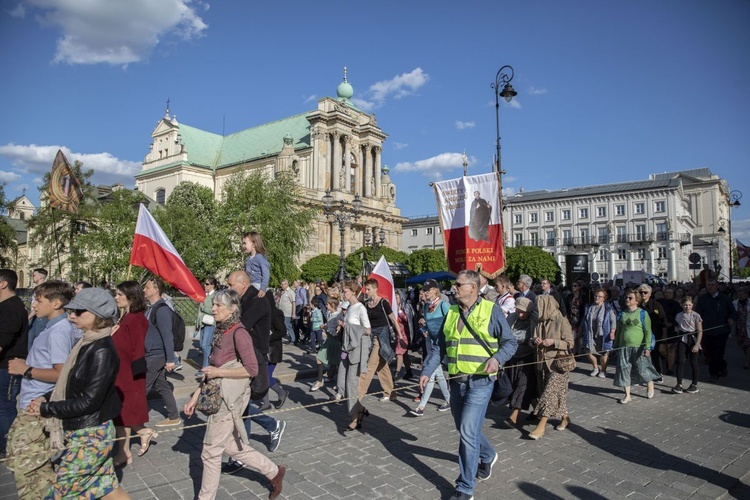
{"points": [[373, 243], [734, 201], [343, 217], [504, 89]]}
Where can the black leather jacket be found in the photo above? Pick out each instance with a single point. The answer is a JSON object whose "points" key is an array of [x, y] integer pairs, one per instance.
{"points": [[91, 399]]}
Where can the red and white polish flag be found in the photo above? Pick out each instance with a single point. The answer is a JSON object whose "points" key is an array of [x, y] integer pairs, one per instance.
{"points": [[152, 250], [470, 218], [743, 254], [382, 274]]}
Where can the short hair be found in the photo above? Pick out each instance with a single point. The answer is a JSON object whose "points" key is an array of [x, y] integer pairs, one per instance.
{"points": [[502, 280], [686, 299], [10, 277], [257, 240], [604, 291], [333, 302], [473, 276], [645, 287], [84, 284], [212, 280], [41, 271], [372, 282], [227, 298], [134, 293], [158, 283], [101, 323], [526, 280], [351, 285], [55, 290]]}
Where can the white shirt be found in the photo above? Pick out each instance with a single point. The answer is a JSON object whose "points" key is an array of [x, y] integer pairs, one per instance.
{"points": [[357, 315]]}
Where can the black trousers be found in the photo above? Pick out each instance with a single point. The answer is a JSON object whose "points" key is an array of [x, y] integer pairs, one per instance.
{"points": [[714, 346], [156, 378], [685, 353]]}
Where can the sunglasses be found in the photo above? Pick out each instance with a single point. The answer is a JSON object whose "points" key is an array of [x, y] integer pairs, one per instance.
{"points": [[77, 312], [644, 292]]}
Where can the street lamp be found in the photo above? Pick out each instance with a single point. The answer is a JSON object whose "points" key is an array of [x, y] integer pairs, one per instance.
{"points": [[734, 201], [502, 80], [343, 217], [375, 244]]}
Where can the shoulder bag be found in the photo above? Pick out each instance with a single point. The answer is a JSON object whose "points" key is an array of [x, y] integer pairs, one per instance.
{"points": [[210, 398]]}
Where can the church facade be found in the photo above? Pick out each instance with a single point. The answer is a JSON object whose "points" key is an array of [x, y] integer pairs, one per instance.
{"points": [[334, 147]]}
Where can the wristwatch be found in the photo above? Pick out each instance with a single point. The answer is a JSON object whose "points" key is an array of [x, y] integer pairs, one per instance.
{"points": [[27, 373]]}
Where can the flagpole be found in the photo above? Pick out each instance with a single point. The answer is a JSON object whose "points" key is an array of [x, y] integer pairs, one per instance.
{"points": [[130, 267], [57, 241]]}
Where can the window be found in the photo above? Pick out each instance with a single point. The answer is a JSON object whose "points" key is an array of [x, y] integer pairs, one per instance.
{"points": [[22, 215], [601, 211], [438, 230], [619, 209], [549, 216], [535, 239], [659, 206], [567, 237], [662, 231], [622, 254], [661, 253], [565, 215], [161, 195], [414, 232], [602, 235], [640, 208], [583, 213], [518, 239], [550, 237], [428, 230], [622, 236], [517, 219], [584, 235], [640, 232], [533, 217], [602, 254], [642, 253]]}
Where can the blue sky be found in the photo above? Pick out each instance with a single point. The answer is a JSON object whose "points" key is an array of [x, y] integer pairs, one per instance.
{"points": [[607, 91]]}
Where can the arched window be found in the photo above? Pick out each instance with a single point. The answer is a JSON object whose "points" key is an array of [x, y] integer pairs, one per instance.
{"points": [[161, 195]]}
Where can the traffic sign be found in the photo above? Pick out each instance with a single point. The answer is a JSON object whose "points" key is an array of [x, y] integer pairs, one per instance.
{"points": [[694, 258]]}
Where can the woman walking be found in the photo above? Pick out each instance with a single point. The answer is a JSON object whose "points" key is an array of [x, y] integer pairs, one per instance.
{"points": [[382, 320], [598, 332], [356, 345], [207, 323], [521, 369], [405, 315]]}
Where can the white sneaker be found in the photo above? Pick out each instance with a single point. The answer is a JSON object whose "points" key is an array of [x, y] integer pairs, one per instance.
{"points": [[594, 372], [602, 374]]}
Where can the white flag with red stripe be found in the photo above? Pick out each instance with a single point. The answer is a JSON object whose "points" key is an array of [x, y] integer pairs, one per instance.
{"points": [[382, 274], [153, 250], [743, 254]]}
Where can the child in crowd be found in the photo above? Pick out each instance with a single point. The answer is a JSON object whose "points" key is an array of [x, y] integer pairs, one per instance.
{"points": [[329, 354], [256, 265], [690, 324], [316, 316]]}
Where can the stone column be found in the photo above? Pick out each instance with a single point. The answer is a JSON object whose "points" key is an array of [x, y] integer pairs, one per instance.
{"points": [[336, 167], [357, 182], [612, 268], [378, 189], [367, 161], [631, 260], [672, 266], [347, 167]]}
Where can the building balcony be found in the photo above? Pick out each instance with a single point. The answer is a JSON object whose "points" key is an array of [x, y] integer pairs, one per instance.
{"points": [[640, 238]]}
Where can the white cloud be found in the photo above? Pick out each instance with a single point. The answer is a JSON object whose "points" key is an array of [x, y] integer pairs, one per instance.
{"points": [[19, 12], [38, 159], [363, 104], [400, 145], [509, 178], [464, 125], [509, 191], [741, 230], [310, 98], [9, 176], [118, 33], [437, 165], [400, 85], [537, 91], [514, 104]]}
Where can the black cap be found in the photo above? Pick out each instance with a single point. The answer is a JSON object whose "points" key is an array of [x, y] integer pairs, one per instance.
{"points": [[429, 284]]}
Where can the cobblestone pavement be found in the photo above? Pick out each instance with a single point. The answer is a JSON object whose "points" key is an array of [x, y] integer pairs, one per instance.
{"points": [[673, 446]]}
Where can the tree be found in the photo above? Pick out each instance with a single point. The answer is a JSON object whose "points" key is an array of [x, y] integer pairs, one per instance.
{"points": [[7, 233], [320, 267], [426, 260], [532, 261], [355, 261], [739, 272], [270, 206]]}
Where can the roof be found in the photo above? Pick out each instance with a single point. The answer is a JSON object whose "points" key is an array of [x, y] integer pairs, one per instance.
{"points": [[215, 151], [604, 189], [696, 172], [19, 226]]}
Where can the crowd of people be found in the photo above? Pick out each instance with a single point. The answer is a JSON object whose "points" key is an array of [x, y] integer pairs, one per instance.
{"points": [[75, 369]]}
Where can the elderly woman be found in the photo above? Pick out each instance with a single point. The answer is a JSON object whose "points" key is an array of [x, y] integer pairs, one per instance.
{"points": [[232, 365], [598, 332], [552, 336], [355, 349], [130, 339], [520, 369], [633, 339], [84, 402]]}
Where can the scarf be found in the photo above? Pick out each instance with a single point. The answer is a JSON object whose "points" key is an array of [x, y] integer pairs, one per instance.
{"points": [[431, 307], [222, 327], [54, 425]]}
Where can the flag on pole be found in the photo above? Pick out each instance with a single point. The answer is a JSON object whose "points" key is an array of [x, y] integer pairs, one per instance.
{"points": [[382, 274], [470, 218], [743, 255], [152, 250], [65, 190]]}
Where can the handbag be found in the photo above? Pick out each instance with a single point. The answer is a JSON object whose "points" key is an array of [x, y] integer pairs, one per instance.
{"points": [[564, 362], [207, 319], [138, 366], [502, 389], [209, 400], [391, 331]]}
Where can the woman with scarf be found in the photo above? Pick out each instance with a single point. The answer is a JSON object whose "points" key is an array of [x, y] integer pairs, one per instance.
{"points": [[521, 369], [232, 365], [405, 315], [83, 403], [598, 332], [355, 349], [552, 336]]}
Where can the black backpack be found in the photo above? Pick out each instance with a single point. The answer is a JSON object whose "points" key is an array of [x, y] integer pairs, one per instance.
{"points": [[178, 327]]}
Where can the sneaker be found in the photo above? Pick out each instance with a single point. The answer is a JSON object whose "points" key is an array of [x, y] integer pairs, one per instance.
{"points": [[199, 374], [316, 386], [594, 372], [418, 411], [484, 471], [384, 399], [692, 389], [282, 400], [460, 495], [178, 365], [232, 466], [444, 407], [276, 436], [659, 380], [169, 422], [336, 398], [677, 389], [602, 374]]}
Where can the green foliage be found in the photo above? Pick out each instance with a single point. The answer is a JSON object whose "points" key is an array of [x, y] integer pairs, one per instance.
{"points": [[7, 233], [320, 267], [532, 261], [426, 260], [255, 202], [739, 272], [354, 261]]}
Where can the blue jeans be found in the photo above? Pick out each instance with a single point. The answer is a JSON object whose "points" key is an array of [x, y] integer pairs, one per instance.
{"points": [[469, 402], [10, 386], [207, 337], [289, 329], [264, 421], [440, 377]]}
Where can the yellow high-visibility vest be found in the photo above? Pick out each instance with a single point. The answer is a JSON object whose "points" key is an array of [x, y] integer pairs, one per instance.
{"points": [[465, 354]]}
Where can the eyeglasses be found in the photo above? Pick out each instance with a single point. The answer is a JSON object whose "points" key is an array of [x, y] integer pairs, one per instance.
{"points": [[644, 292], [459, 285], [629, 297], [77, 312]]}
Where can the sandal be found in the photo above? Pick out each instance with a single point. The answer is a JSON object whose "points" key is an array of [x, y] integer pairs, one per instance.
{"points": [[146, 438]]}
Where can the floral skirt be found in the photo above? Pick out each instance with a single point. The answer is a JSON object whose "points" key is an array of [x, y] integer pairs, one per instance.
{"points": [[554, 399], [85, 469], [633, 367]]}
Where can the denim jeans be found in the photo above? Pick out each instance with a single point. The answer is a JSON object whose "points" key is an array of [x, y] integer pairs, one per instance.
{"points": [[10, 386], [289, 329], [207, 337], [440, 377], [469, 402], [264, 421]]}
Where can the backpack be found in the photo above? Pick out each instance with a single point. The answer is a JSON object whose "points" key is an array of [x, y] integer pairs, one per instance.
{"points": [[178, 327]]}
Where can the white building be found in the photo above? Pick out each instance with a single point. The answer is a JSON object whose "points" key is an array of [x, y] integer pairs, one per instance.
{"points": [[422, 232]]}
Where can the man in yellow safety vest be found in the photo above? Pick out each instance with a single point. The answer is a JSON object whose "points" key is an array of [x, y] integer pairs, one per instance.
{"points": [[472, 373]]}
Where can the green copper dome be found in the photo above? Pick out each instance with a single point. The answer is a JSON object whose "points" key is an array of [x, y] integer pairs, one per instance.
{"points": [[345, 90]]}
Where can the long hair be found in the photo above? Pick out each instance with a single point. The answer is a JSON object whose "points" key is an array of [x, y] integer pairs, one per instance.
{"points": [[134, 293], [257, 240]]}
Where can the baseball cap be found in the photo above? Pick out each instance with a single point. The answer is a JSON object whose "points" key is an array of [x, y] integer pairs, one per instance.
{"points": [[97, 301], [430, 284]]}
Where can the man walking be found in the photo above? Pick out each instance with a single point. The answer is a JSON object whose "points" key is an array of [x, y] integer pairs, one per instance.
{"points": [[287, 304], [160, 357], [471, 324], [300, 301], [718, 315]]}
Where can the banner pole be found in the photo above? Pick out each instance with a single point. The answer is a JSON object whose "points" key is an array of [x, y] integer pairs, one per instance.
{"points": [[130, 267], [57, 241]]}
